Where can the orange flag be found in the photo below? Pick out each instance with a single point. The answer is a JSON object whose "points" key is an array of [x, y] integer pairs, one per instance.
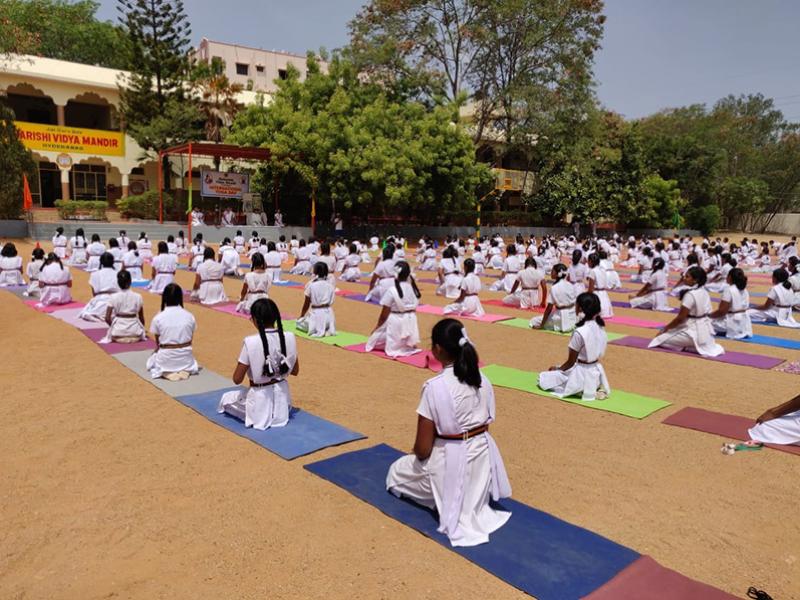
{"points": [[27, 198]]}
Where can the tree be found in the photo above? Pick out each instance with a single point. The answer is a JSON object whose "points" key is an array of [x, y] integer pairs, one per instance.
{"points": [[15, 160], [158, 110], [217, 95], [62, 30], [365, 153]]}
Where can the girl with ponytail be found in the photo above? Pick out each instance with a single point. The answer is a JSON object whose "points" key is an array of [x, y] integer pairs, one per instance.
{"points": [[456, 467], [777, 308], [173, 329], [383, 275], [576, 272], [319, 296], [132, 262], [582, 374], [559, 314], [653, 295], [468, 303], [77, 244], [731, 318], [397, 332], [267, 358]]}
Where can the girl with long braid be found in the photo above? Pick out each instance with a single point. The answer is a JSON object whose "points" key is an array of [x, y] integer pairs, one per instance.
{"points": [[267, 359], [397, 332], [173, 329]]}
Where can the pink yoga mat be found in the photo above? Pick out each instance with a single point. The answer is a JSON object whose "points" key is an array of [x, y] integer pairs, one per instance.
{"points": [[229, 309], [743, 359], [34, 304], [634, 322], [70, 317], [345, 293], [500, 303], [113, 348], [645, 579], [419, 360], [438, 310], [728, 426]]}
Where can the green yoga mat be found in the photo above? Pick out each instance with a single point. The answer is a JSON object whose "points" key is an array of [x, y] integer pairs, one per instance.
{"points": [[621, 403], [342, 338], [524, 324]]}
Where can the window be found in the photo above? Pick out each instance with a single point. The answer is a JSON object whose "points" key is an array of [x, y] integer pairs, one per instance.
{"points": [[137, 171], [282, 74], [242, 69], [260, 68], [89, 182]]}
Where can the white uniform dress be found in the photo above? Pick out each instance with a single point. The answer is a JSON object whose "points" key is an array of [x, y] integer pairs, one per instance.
{"points": [[783, 430], [471, 305], [460, 477], [196, 251], [211, 290], [736, 324], [385, 272], [451, 271], [32, 271], [125, 306], [577, 276], [103, 284], [303, 258], [174, 326], [527, 294], [54, 285], [587, 375], [612, 277], [60, 245], [263, 406], [320, 320], [94, 251], [399, 335], [562, 317], [257, 289], [696, 333], [133, 261], [351, 270], [11, 271], [781, 310], [272, 260], [510, 268], [145, 248], [117, 254], [429, 260], [229, 260], [598, 275], [238, 244], [165, 266], [658, 297], [78, 254]]}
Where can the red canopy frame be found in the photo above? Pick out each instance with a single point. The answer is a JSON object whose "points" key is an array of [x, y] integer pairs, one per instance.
{"points": [[221, 151]]}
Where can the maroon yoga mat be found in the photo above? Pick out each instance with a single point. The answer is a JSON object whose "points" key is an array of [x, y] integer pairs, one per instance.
{"points": [[645, 579], [114, 348], [728, 426]]}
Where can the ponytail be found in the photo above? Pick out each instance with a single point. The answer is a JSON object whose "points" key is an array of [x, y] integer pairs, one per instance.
{"points": [[450, 335], [590, 306], [265, 312], [403, 273]]}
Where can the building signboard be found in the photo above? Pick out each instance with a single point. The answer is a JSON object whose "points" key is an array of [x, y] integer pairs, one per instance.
{"points": [[74, 140], [225, 185]]}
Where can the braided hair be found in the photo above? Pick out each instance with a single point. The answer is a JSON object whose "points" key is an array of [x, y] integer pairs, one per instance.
{"points": [[265, 313]]}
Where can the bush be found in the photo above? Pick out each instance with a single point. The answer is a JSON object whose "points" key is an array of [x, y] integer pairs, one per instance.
{"points": [[82, 209], [704, 218], [144, 206]]}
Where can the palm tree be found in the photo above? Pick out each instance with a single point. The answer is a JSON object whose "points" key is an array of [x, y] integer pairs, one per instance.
{"points": [[217, 98]]}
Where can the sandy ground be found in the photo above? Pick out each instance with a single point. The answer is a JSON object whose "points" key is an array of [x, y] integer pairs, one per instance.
{"points": [[109, 489]]}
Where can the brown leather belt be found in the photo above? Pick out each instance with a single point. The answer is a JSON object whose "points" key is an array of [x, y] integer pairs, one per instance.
{"points": [[165, 272], [174, 346], [15, 269], [127, 315], [320, 306], [253, 292], [465, 435], [565, 307], [263, 385], [403, 312], [54, 284], [697, 316], [468, 295], [584, 362], [103, 293], [209, 280], [737, 312], [782, 305]]}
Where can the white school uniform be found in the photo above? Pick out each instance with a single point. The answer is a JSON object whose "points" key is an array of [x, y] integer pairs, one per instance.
{"points": [[351, 270], [32, 271], [123, 241], [197, 251], [781, 310], [94, 251], [612, 277], [480, 261], [598, 275], [103, 284], [657, 298], [238, 244], [172, 248], [11, 271], [54, 285], [373, 242], [211, 290], [471, 305], [269, 405], [399, 335], [145, 247], [117, 254], [165, 266], [183, 245], [783, 430], [587, 375], [133, 264], [173, 325], [562, 317], [527, 294], [646, 265], [696, 333], [340, 253], [330, 262], [319, 321], [451, 271], [257, 288], [229, 258], [495, 258], [721, 282], [283, 250], [460, 477], [78, 253], [429, 260], [510, 268], [125, 306], [577, 277], [272, 262], [385, 272], [303, 260], [736, 324], [60, 245]]}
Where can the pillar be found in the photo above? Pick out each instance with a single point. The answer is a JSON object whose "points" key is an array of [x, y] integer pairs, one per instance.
{"points": [[60, 115], [125, 184], [65, 184]]}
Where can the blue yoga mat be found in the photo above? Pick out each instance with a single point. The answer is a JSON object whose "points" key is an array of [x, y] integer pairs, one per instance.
{"points": [[140, 284], [305, 433], [765, 340], [535, 552]]}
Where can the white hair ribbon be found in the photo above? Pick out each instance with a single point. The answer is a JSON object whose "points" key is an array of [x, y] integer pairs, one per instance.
{"points": [[464, 338]]}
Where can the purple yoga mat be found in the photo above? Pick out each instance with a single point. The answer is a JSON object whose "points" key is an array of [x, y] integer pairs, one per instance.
{"points": [[743, 359], [113, 348], [362, 298], [622, 304], [729, 426]]}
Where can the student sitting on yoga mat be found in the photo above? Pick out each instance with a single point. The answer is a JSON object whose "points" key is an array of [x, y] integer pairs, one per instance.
{"points": [[779, 425], [124, 313], [173, 329], [731, 318], [456, 467], [777, 308], [691, 329], [208, 286], [55, 282], [267, 358], [256, 284], [582, 373], [397, 331], [653, 294], [103, 283], [319, 296], [468, 302], [559, 315]]}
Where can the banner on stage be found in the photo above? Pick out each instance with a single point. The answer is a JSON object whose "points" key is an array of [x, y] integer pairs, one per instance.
{"points": [[225, 185]]}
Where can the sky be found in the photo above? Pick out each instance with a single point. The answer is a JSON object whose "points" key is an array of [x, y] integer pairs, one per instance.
{"points": [[656, 53]]}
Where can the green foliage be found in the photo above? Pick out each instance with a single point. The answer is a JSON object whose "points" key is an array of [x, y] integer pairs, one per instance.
{"points": [[218, 96], [706, 218], [367, 153], [62, 30], [661, 203], [738, 196], [76, 209], [15, 160], [145, 206]]}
